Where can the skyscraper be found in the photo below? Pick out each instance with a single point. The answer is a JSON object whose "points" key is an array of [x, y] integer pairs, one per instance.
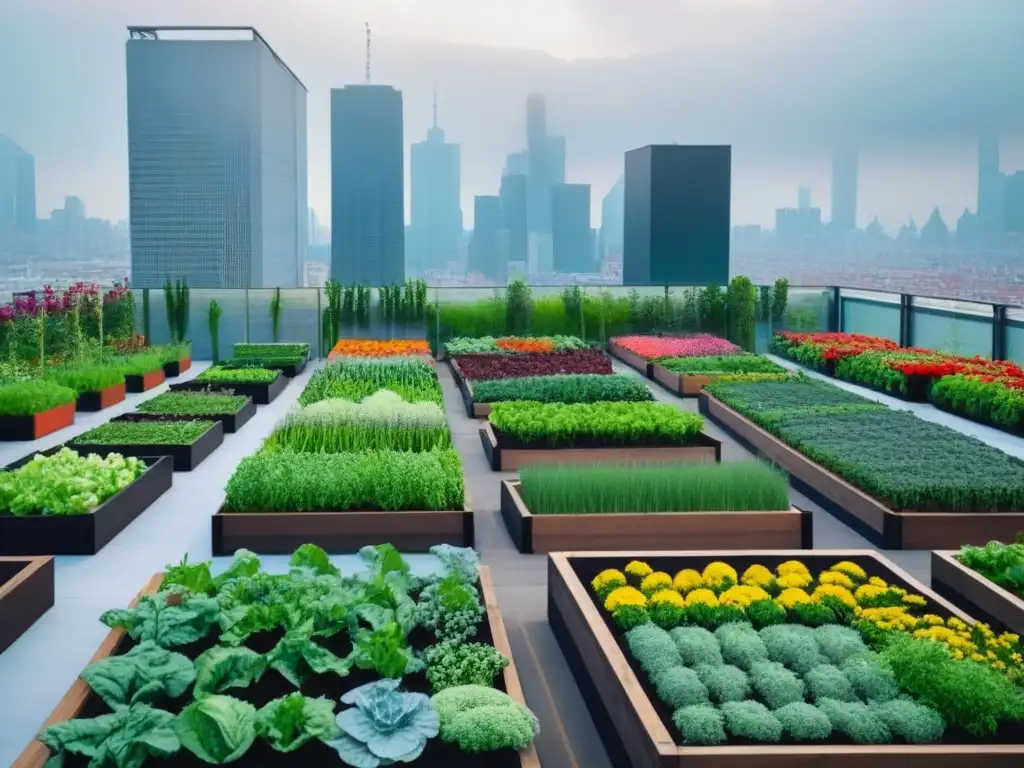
{"points": [[571, 247], [844, 190], [612, 215], [545, 164], [485, 247], [991, 186], [513, 215], [804, 198], [367, 185], [435, 231], [17, 188], [216, 160]]}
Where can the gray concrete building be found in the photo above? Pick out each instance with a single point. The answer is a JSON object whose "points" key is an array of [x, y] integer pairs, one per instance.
{"points": [[571, 246], [17, 189]]}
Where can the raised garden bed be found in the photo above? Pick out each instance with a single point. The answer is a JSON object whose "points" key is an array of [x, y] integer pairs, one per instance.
{"points": [[687, 376], [185, 456], [145, 381], [36, 425], [97, 401], [255, 749], [473, 410], [177, 367], [261, 394], [976, 595], [537, 534], [26, 593], [187, 406], [87, 533], [870, 516], [632, 359], [637, 726]]}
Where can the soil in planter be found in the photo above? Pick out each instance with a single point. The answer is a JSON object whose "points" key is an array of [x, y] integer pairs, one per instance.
{"points": [[173, 417], [509, 442]]}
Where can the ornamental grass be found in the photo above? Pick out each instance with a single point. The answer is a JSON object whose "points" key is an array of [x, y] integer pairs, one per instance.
{"points": [[355, 378]]}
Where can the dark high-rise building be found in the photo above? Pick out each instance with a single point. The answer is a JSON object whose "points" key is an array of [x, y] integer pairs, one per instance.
{"points": [[435, 230], [17, 188], [513, 215], [485, 247], [991, 186], [844, 190], [571, 245], [367, 185], [611, 220], [676, 229]]}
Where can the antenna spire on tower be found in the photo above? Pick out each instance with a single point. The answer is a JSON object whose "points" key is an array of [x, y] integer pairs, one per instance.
{"points": [[435, 104], [367, 53]]}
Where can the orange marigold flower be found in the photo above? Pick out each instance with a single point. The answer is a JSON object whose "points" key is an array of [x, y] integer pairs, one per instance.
{"points": [[379, 348]]}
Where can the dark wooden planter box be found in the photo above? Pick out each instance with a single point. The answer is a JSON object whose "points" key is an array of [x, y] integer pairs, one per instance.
{"points": [[85, 534], [683, 384], [185, 457], [537, 534], [291, 371], [97, 401], [868, 516], [976, 595], [632, 359], [281, 533], [232, 422], [177, 367], [26, 593], [79, 698], [465, 386], [703, 448], [144, 382], [38, 424], [627, 718], [261, 394]]}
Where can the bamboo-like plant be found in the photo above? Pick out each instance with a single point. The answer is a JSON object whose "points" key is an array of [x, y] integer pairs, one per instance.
{"points": [[332, 288], [275, 314], [213, 314], [182, 308], [170, 298], [41, 335], [145, 314]]}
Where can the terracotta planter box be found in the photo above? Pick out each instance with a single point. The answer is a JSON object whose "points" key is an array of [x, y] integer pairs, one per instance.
{"points": [[632, 359], [26, 593], [870, 517], [261, 394], [38, 424], [232, 422], [628, 719], [973, 593], [703, 448], [80, 699], [185, 457], [144, 382], [177, 367], [685, 384], [97, 401], [465, 386], [537, 534], [85, 534], [281, 533]]}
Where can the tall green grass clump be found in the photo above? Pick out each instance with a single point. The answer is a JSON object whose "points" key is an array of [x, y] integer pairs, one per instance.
{"points": [[739, 486], [356, 378]]}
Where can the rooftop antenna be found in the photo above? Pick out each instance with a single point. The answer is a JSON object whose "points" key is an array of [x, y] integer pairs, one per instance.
{"points": [[367, 53], [435, 104]]}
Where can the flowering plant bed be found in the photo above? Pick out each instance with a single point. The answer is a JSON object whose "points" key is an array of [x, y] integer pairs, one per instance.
{"points": [[518, 434], [639, 351], [355, 378], [596, 507], [257, 669], [984, 581], [901, 481], [59, 502], [379, 348], [261, 384], [188, 443], [687, 376], [26, 593], [233, 411], [34, 408], [781, 658], [511, 345], [484, 367], [989, 399]]}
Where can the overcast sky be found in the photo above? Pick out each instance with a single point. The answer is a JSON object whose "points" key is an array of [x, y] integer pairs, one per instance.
{"points": [[911, 83]]}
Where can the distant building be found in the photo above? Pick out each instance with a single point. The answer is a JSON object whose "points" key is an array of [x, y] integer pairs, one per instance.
{"points": [[514, 215], [1014, 202], [677, 208], [314, 229], [796, 223], [571, 245], [435, 230], [844, 191], [517, 164], [17, 188], [216, 162], [545, 156], [484, 247], [804, 197], [991, 186], [367, 185], [612, 214]]}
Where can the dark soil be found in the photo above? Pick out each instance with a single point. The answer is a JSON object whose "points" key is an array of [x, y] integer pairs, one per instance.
{"points": [[509, 442]]}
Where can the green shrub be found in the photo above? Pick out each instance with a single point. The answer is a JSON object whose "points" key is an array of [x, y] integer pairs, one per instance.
{"points": [[572, 388], [220, 375], [804, 722], [765, 613], [986, 401], [696, 645], [724, 682], [839, 644], [138, 365], [776, 685], [751, 720], [82, 379], [870, 679], [626, 617], [814, 614], [743, 363], [193, 404], [741, 645], [26, 398], [144, 433], [1000, 563], [792, 645], [856, 720], [653, 648], [914, 723], [828, 682], [451, 664], [701, 725], [679, 687]]}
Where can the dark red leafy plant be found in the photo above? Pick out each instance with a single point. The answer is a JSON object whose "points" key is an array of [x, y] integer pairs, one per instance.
{"points": [[485, 367]]}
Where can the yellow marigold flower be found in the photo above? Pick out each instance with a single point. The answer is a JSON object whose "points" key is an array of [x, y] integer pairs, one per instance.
{"points": [[718, 573], [956, 623], [867, 591], [931, 618], [655, 582], [638, 569], [742, 596], [792, 566], [687, 579], [608, 579], [790, 597], [624, 596], [794, 580], [702, 597], [836, 577], [757, 576], [667, 596], [1007, 637], [1000, 665], [958, 654], [917, 600], [939, 634], [1017, 657], [875, 581], [834, 590], [990, 655], [850, 569], [977, 657]]}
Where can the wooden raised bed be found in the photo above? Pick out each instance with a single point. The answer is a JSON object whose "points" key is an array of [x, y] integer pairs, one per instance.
{"points": [[261, 394], [703, 448], [627, 718], [145, 381], [632, 359], [685, 384], [281, 533], [26, 593], [973, 593], [185, 457], [177, 367], [473, 410], [85, 534], [97, 401], [536, 534], [871, 518], [232, 422], [38, 424], [79, 697]]}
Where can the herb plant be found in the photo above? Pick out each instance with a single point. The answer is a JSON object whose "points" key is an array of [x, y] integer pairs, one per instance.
{"points": [[86, 378], [1002, 564], [572, 388], [741, 363], [221, 375], [144, 433], [25, 398], [356, 378], [269, 351], [193, 404]]}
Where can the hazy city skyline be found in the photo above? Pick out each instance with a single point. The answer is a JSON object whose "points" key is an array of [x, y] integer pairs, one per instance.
{"points": [[913, 114]]}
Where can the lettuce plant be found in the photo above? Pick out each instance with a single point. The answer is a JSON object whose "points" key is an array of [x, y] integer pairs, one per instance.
{"points": [[293, 721], [217, 729], [126, 738], [167, 618], [223, 667], [297, 658], [145, 674]]}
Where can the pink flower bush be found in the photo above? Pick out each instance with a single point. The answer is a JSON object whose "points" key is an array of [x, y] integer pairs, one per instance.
{"points": [[698, 345], [53, 303]]}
